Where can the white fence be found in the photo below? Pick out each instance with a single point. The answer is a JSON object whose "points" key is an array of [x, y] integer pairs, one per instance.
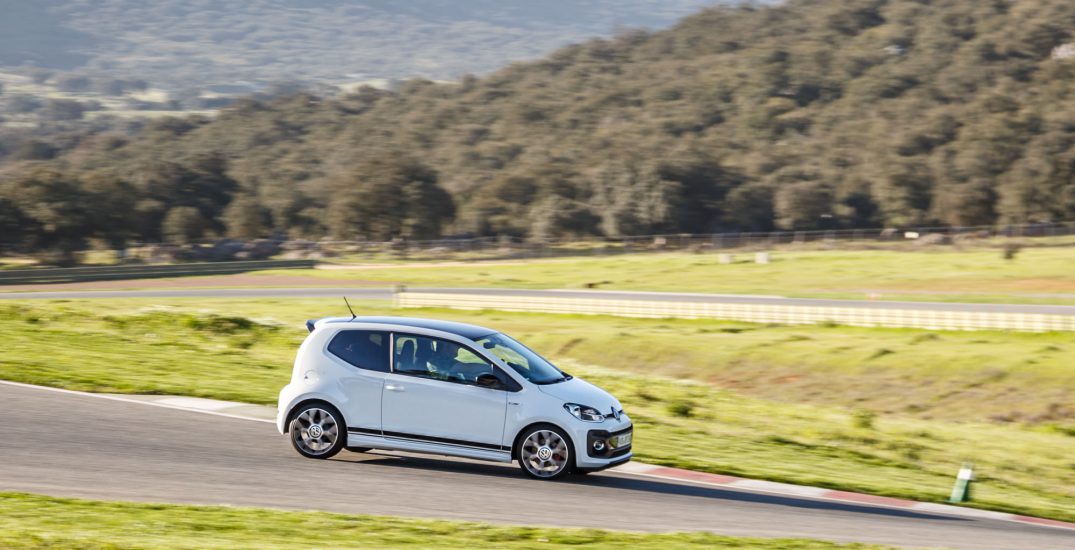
{"points": [[868, 314]]}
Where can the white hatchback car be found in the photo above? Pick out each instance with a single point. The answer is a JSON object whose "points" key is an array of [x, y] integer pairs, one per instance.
{"points": [[422, 385]]}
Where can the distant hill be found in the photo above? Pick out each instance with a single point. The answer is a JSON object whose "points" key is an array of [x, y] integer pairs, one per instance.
{"points": [[179, 44], [813, 114]]}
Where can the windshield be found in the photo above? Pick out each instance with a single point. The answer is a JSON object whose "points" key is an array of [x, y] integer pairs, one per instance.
{"points": [[532, 366]]}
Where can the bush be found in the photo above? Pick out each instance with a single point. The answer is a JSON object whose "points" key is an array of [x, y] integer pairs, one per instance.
{"points": [[683, 409], [863, 419], [1010, 250]]}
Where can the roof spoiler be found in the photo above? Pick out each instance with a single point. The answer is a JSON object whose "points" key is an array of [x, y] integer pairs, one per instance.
{"points": [[310, 324]]}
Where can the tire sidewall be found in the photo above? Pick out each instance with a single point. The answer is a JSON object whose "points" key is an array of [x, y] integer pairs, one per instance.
{"points": [[341, 440]]}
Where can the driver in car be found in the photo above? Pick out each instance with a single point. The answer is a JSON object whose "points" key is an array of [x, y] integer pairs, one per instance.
{"points": [[447, 361]]}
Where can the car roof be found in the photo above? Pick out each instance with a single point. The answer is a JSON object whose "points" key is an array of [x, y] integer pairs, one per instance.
{"points": [[465, 330]]}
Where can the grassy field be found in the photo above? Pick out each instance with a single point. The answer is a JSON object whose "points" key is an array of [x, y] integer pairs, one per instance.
{"points": [[890, 412], [31, 521], [1037, 275]]}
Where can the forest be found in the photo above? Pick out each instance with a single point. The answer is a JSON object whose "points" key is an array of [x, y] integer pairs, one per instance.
{"points": [[810, 114]]}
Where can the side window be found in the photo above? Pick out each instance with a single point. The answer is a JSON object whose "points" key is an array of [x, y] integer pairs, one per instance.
{"points": [[409, 359], [364, 349], [439, 360]]}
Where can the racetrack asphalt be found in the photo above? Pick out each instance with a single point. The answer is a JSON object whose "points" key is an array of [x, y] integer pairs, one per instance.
{"points": [[369, 293], [71, 444]]}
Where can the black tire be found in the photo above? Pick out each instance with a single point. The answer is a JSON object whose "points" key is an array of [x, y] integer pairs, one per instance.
{"points": [[331, 431], [537, 441]]}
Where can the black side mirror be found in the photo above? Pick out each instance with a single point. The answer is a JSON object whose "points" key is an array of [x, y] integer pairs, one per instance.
{"points": [[487, 380]]}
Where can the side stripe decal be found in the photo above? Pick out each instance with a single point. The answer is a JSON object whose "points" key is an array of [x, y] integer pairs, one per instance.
{"points": [[430, 439]]}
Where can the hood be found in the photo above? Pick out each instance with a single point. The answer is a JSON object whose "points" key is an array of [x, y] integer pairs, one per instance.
{"points": [[581, 392]]}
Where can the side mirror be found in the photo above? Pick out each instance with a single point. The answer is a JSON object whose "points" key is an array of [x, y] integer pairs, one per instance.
{"points": [[486, 380]]}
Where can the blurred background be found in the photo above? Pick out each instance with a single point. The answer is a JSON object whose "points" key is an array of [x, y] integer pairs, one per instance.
{"points": [[871, 202], [124, 123]]}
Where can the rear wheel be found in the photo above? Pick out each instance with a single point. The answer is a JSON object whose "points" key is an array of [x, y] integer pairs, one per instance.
{"points": [[317, 431], [545, 452]]}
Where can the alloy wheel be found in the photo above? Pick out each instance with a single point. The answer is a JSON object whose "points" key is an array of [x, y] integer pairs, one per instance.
{"points": [[315, 431], [544, 454]]}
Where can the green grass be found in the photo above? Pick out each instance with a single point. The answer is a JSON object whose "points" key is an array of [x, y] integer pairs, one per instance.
{"points": [[884, 411], [696, 426], [192, 347], [32, 521], [1037, 275]]}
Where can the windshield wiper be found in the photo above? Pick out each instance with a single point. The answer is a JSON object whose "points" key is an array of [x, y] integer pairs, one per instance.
{"points": [[563, 378]]}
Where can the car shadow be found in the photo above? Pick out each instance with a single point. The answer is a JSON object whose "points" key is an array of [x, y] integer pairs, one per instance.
{"points": [[628, 482]]}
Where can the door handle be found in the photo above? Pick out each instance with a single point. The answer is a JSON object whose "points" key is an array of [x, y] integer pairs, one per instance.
{"points": [[391, 387]]}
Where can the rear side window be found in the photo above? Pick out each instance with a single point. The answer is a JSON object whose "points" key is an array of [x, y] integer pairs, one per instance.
{"points": [[365, 349]]}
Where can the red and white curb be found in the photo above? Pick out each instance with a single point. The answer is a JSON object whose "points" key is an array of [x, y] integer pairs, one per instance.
{"points": [[820, 493], [263, 413]]}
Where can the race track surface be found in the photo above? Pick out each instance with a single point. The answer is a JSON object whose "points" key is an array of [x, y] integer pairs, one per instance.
{"points": [[69, 444]]}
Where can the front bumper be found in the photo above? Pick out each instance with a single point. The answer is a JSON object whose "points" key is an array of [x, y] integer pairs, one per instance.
{"points": [[606, 440], [606, 465], [584, 436]]}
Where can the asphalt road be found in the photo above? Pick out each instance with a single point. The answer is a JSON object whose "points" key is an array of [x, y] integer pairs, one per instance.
{"points": [[76, 445], [386, 294]]}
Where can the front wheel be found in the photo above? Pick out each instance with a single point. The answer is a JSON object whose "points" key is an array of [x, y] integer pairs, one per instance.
{"points": [[317, 431], [545, 452]]}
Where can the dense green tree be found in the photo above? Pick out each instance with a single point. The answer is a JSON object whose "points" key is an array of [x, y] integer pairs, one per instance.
{"points": [[56, 213], [111, 203], [183, 225], [13, 223], [246, 218], [750, 208], [801, 114], [804, 205], [387, 197]]}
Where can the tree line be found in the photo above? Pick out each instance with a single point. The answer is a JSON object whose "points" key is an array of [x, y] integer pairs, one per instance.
{"points": [[810, 114]]}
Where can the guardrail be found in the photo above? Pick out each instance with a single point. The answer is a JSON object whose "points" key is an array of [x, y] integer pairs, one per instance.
{"points": [[103, 273], [868, 314]]}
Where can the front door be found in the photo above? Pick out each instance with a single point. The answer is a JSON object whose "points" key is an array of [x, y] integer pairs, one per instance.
{"points": [[433, 396]]}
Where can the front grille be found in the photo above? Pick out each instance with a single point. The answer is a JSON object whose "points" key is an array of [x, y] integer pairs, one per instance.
{"points": [[605, 435]]}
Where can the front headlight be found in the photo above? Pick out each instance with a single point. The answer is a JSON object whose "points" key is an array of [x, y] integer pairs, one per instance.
{"points": [[584, 413]]}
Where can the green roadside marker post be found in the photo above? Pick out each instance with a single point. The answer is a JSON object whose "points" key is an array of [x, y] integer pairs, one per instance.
{"points": [[961, 490]]}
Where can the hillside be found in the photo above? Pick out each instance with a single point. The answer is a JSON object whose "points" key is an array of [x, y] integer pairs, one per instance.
{"points": [[817, 113], [249, 44]]}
